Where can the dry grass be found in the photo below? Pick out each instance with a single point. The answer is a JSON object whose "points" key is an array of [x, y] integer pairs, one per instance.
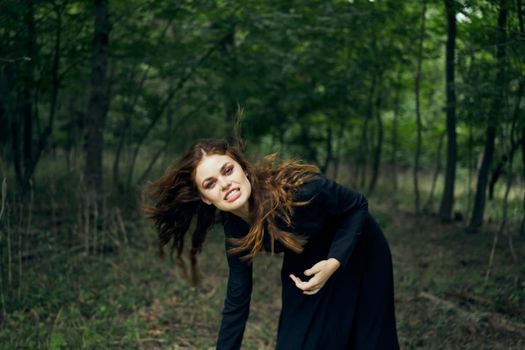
{"points": [[130, 299]]}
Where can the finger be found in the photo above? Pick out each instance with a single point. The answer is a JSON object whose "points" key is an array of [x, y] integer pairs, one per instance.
{"points": [[311, 292], [295, 278], [297, 281], [313, 270], [310, 285]]}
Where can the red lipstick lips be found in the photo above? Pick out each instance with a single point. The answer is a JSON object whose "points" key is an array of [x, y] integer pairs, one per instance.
{"points": [[234, 197]]}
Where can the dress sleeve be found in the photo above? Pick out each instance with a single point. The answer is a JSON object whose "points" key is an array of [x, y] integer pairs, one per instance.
{"points": [[237, 303], [349, 210]]}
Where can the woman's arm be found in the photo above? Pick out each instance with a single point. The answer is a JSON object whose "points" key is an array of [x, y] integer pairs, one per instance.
{"points": [[237, 303], [349, 209]]}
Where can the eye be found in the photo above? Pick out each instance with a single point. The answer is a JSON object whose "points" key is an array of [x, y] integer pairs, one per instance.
{"points": [[209, 185], [228, 170]]}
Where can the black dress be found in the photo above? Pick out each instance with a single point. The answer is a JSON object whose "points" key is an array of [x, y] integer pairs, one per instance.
{"points": [[355, 307]]}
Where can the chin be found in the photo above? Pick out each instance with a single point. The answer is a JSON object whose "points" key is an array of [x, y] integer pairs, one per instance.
{"points": [[239, 203]]}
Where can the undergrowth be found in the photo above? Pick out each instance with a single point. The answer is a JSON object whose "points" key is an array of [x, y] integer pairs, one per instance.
{"points": [[59, 291]]}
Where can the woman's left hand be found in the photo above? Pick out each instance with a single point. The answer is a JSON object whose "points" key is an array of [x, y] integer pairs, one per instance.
{"points": [[321, 272]]}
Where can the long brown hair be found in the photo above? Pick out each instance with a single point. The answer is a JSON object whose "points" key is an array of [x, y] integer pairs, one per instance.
{"points": [[176, 201]]}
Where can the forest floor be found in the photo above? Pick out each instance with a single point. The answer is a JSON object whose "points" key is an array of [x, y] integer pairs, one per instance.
{"points": [[130, 299]]}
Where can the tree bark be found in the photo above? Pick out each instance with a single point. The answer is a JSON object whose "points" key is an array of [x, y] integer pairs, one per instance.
{"points": [[230, 96], [481, 187], [514, 143], [428, 208], [28, 86], [337, 161], [522, 226], [417, 89], [99, 97], [15, 148], [522, 32], [329, 150], [362, 156], [380, 136], [519, 9], [55, 86], [447, 200], [393, 160]]}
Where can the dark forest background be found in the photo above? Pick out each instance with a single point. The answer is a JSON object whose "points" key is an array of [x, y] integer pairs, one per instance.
{"points": [[417, 104]]}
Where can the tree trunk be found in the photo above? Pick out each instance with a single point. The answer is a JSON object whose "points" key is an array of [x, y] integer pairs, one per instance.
{"points": [[428, 208], [128, 110], [479, 201], [393, 160], [230, 95], [470, 147], [499, 169], [522, 32], [377, 154], [339, 141], [55, 86], [306, 142], [28, 87], [362, 156], [514, 143], [522, 226], [379, 145], [329, 150], [15, 148], [519, 9], [447, 200], [418, 107], [99, 98]]}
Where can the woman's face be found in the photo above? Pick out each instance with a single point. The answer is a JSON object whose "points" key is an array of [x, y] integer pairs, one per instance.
{"points": [[222, 182]]}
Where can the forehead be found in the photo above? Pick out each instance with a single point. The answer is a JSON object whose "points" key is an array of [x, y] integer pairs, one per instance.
{"points": [[211, 166]]}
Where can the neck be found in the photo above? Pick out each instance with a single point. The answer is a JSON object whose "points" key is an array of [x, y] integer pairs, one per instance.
{"points": [[243, 212]]}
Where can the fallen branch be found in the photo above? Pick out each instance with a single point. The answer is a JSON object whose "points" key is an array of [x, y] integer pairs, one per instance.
{"points": [[497, 321], [151, 340]]}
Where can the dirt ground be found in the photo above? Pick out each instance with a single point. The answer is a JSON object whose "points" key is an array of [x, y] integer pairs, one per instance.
{"points": [[442, 298]]}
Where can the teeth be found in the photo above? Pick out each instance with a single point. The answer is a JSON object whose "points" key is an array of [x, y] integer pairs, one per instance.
{"points": [[231, 194]]}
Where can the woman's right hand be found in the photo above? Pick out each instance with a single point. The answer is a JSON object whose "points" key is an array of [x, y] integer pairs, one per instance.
{"points": [[321, 272]]}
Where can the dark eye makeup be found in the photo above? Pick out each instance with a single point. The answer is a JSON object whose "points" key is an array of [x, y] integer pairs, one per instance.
{"points": [[209, 184], [227, 171]]}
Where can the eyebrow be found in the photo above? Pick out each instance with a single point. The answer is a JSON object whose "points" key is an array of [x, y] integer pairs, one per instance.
{"points": [[222, 168]]}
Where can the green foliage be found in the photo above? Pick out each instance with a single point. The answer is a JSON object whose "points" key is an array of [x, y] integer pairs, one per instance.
{"points": [[178, 71]]}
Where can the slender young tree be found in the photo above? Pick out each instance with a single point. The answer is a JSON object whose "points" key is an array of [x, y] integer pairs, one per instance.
{"points": [[28, 86], [99, 97], [417, 90], [447, 200], [476, 219], [380, 136], [395, 131], [519, 10]]}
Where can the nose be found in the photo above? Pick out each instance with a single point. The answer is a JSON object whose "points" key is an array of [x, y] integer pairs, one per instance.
{"points": [[224, 183]]}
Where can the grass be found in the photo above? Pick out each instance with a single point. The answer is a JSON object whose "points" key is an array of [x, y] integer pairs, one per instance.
{"points": [[130, 299], [133, 300]]}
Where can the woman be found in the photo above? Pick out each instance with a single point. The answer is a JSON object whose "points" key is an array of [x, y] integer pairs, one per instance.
{"points": [[337, 287]]}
